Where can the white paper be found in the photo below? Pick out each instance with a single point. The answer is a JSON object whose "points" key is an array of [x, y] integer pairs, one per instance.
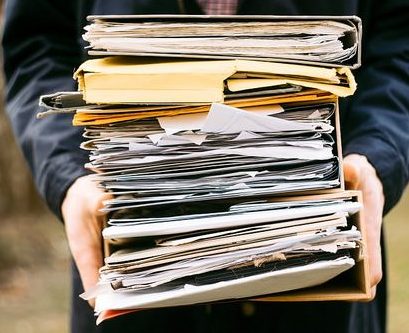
{"points": [[251, 218], [261, 284], [225, 119]]}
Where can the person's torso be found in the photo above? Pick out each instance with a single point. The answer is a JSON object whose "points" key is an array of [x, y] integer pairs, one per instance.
{"points": [[251, 7]]}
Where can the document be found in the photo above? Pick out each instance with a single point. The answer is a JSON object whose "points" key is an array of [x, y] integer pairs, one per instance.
{"points": [[114, 80], [309, 39], [260, 284], [103, 114], [229, 254], [225, 119], [182, 225], [233, 153]]}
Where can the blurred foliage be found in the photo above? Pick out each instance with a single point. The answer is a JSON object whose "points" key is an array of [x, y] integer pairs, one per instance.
{"points": [[34, 275], [397, 236]]}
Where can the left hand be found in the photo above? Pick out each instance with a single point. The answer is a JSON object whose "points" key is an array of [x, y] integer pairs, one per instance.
{"points": [[83, 224], [361, 175]]}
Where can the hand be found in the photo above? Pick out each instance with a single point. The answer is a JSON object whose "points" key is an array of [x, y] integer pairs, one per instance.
{"points": [[83, 225], [361, 175]]}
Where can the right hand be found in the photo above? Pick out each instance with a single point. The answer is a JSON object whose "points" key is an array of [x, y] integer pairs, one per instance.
{"points": [[83, 224], [361, 175]]}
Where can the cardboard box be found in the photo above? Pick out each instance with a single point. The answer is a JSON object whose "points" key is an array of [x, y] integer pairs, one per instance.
{"points": [[352, 285]]}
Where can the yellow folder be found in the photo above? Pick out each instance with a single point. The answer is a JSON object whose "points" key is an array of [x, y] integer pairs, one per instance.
{"points": [[156, 80]]}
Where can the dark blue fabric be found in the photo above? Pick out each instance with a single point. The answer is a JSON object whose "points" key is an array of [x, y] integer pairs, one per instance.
{"points": [[42, 47], [41, 50]]}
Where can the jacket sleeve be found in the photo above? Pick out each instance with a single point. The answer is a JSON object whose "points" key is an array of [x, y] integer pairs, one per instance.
{"points": [[376, 121], [41, 50]]}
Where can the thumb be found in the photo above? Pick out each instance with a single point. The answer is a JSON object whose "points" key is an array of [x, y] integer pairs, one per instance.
{"points": [[352, 173]]}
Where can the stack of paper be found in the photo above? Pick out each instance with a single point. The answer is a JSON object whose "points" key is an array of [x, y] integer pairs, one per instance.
{"points": [[332, 40], [190, 255], [193, 152], [226, 153]]}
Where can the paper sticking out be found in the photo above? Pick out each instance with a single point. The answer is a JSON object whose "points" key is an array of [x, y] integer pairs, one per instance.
{"points": [[188, 122], [196, 121], [165, 140], [224, 119]]}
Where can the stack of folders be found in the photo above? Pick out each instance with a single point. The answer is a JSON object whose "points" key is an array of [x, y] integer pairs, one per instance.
{"points": [[204, 157]]}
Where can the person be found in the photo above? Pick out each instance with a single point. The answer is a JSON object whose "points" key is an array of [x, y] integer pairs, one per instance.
{"points": [[42, 46]]}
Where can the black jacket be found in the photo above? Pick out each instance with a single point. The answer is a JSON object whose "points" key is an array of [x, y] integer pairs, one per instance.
{"points": [[42, 47]]}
